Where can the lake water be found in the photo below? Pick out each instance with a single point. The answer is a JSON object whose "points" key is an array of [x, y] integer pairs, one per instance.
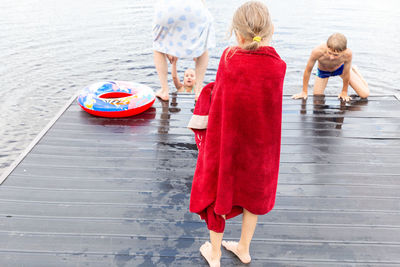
{"points": [[50, 49]]}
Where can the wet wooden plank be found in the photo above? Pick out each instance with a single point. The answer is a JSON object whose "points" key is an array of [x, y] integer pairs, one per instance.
{"points": [[171, 252], [175, 168], [139, 181], [185, 229], [111, 212], [97, 191], [174, 192], [310, 149]]}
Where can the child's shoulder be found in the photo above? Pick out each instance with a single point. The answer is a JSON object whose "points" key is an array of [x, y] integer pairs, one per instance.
{"points": [[348, 52], [229, 52], [319, 50], [233, 50], [348, 55], [238, 53], [230, 49]]}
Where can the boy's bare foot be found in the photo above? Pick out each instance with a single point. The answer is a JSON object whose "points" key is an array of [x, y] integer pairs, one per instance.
{"points": [[206, 251], [233, 247], [301, 95], [162, 95]]}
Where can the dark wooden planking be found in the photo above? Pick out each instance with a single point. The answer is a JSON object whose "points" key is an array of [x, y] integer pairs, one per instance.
{"points": [[168, 249], [98, 191], [310, 200], [376, 131], [310, 149], [41, 181], [111, 212], [172, 169], [176, 229], [105, 158]]}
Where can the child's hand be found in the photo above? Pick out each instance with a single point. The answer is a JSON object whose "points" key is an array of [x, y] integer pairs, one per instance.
{"points": [[172, 59], [300, 95], [196, 95], [344, 96], [169, 57]]}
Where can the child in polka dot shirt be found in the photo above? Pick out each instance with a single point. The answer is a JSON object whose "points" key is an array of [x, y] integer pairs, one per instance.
{"points": [[182, 29]]}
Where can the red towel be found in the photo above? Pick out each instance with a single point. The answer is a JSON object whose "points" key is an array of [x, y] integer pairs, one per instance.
{"points": [[239, 141]]}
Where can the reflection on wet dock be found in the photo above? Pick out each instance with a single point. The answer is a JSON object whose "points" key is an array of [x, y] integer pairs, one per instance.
{"points": [[115, 192]]}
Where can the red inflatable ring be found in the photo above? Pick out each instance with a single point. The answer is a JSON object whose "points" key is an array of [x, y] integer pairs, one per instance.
{"points": [[115, 99]]}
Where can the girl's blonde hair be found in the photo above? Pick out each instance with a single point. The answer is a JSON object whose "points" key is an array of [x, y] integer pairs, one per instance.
{"points": [[251, 20]]}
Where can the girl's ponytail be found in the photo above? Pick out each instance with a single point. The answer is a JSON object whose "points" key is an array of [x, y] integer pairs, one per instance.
{"points": [[253, 23]]}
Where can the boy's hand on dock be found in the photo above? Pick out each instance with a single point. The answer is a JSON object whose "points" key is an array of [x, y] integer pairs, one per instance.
{"points": [[344, 96], [302, 95]]}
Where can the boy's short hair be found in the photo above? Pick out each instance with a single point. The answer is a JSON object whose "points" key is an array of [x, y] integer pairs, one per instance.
{"points": [[337, 42]]}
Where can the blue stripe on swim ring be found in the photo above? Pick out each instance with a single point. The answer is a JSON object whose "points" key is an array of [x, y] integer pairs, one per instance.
{"points": [[114, 96]]}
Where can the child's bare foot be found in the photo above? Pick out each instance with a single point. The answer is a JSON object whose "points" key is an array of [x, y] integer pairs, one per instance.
{"points": [[206, 251], [233, 247], [162, 95]]}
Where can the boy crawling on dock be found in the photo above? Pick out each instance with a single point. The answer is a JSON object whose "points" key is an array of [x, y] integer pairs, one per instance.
{"points": [[334, 59]]}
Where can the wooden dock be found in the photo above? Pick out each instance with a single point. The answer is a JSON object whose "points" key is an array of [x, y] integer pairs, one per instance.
{"points": [[115, 192]]}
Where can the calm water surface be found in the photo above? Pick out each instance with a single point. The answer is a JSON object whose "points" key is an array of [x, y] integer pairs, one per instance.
{"points": [[51, 49]]}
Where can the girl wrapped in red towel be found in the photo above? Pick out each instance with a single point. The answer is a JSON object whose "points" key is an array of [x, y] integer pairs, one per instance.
{"points": [[237, 125]]}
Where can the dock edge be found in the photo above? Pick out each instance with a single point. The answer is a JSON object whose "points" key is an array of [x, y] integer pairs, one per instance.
{"points": [[18, 160]]}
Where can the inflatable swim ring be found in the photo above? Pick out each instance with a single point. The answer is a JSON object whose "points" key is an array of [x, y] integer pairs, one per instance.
{"points": [[115, 99]]}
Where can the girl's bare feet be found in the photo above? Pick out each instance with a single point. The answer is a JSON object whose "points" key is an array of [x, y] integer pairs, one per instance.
{"points": [[206, 251], [162, 95], [233, 247]]}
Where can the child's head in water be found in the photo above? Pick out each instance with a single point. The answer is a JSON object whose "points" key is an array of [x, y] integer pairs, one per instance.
{"points": [[252, 25], [189, 78]]}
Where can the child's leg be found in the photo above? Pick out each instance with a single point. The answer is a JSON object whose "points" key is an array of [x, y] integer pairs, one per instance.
{"points": [[320, 85], [162, 70], [212, 251], [201, 67], [358, 83], [242, 249]]}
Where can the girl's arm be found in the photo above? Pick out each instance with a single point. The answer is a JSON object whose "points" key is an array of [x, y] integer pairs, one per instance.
{"points": [[174, 73]]}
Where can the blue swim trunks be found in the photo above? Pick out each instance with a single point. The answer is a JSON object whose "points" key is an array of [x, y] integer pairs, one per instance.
{"points": [[326, 74]]}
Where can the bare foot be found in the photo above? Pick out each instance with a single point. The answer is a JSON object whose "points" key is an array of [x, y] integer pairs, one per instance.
{"points": [[233, 247], [206, 251], [162, 95]]}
